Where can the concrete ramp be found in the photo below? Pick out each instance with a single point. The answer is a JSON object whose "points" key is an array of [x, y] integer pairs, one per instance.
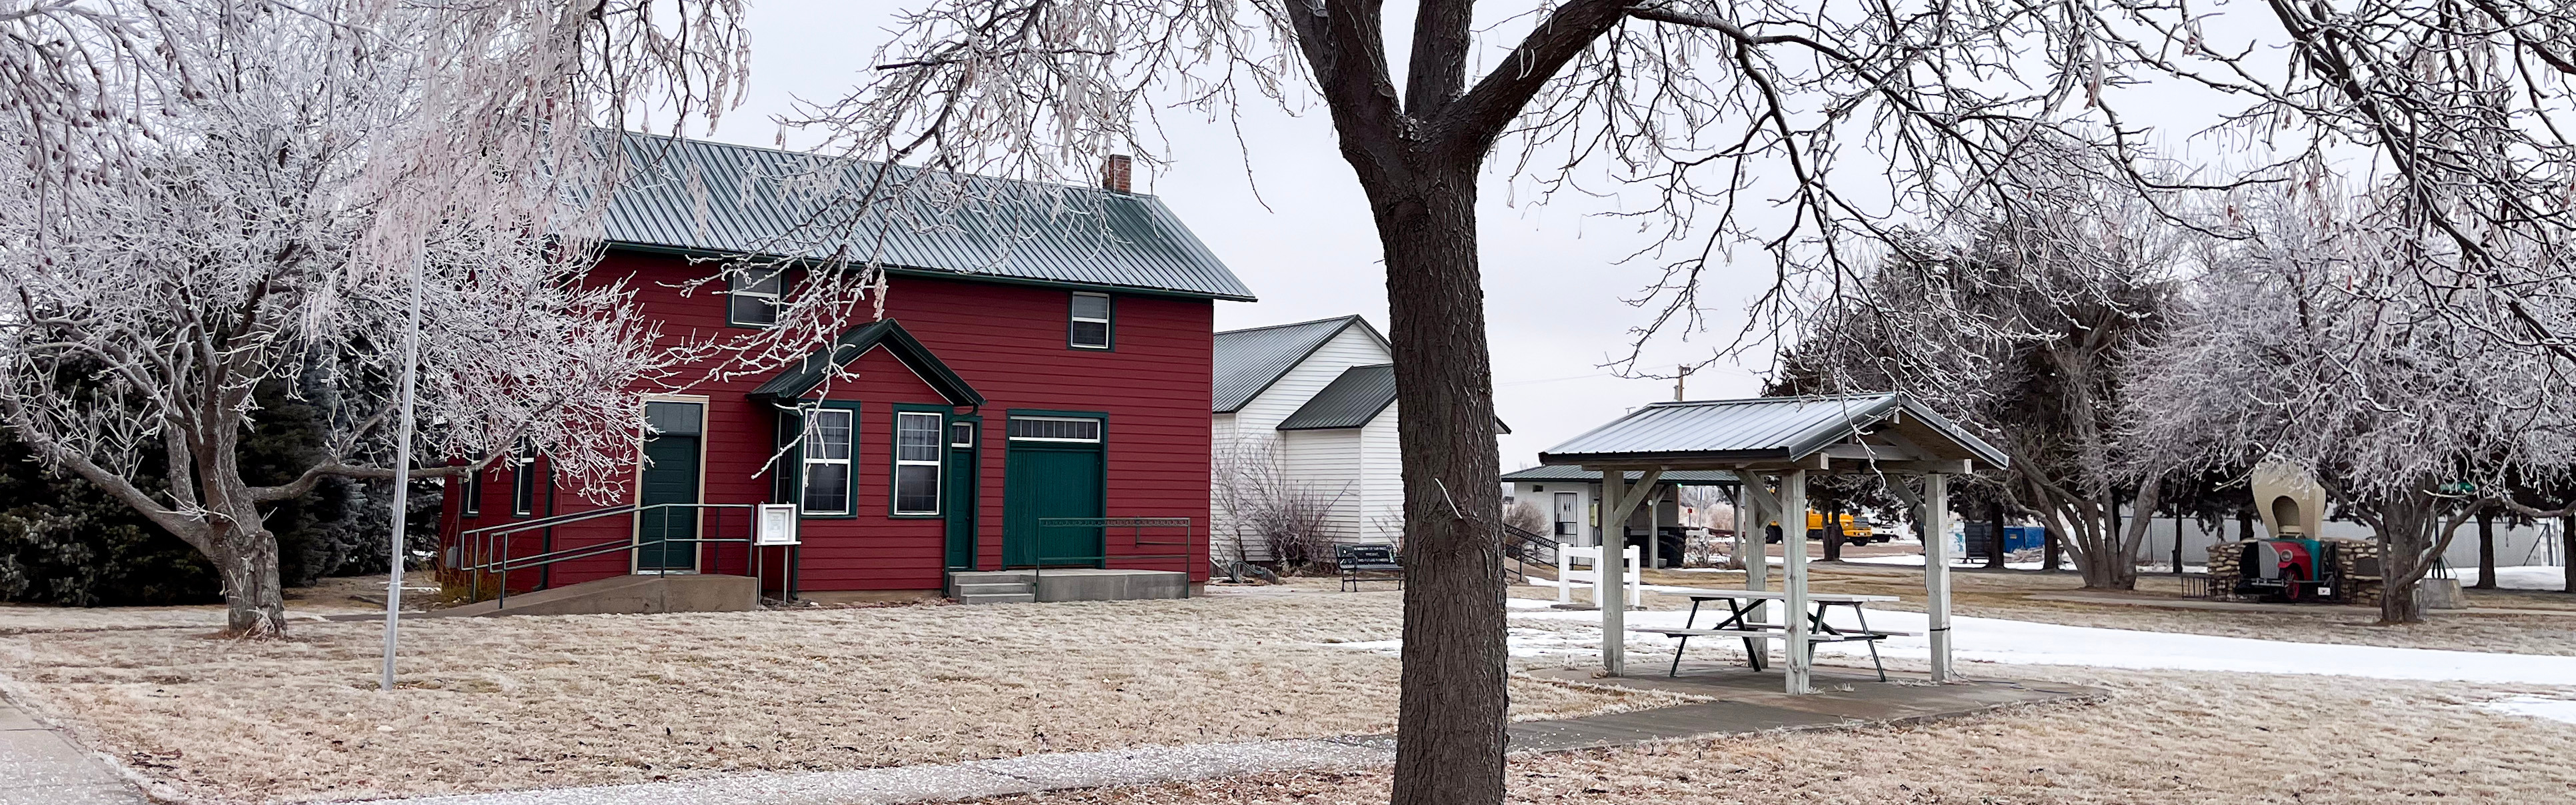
{"points": [[1066, 584], [623, 595]]}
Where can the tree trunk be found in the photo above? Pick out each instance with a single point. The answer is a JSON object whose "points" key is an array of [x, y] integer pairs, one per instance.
{"points": [[1995, 546], [2486, 550], [2567, 550], [2410, 527], [1452, 709], [2048, 547], [254, 596], [1833, 532]]}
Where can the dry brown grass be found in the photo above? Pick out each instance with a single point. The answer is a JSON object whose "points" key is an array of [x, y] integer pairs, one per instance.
{"points": [[506, 703], [2162, 737]]}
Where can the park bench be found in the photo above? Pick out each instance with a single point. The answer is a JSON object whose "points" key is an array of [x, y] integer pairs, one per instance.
{"points": [[1361, 563]]}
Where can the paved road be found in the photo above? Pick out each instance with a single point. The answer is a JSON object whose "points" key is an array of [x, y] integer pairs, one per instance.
{"points": [[38, 767]]}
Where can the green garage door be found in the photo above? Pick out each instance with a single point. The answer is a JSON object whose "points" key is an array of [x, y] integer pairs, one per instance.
{"points": [[670, 476], [1054, 469]]}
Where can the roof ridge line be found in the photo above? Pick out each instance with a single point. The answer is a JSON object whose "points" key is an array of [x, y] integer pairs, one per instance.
{"points": [[1289, 324], [879, 163]]}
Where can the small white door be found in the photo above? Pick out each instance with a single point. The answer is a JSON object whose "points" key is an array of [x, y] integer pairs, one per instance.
{"points": [[1569, 519]]}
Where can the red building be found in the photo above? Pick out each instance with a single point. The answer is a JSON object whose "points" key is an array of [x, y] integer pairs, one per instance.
{"points": [[1043, 355]]}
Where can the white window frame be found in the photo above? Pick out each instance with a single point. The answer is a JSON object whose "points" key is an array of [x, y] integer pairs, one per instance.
{"points": [[1108, 314], [1095, 429], [938, 442], [469, 497], [739, 281], [848, 460], [522, 480], [967, 427]]}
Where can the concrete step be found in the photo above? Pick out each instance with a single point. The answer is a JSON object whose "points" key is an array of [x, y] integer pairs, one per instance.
{"points": [[997, 598], [992, 588]]}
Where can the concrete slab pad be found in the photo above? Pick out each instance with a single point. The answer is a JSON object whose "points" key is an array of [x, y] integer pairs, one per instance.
{"points": [[17, 773], [12, 719], [35, 746], [109, 794]]}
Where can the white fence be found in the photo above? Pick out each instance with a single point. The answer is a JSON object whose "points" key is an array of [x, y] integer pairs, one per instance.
{"points": [[1630, 575]]}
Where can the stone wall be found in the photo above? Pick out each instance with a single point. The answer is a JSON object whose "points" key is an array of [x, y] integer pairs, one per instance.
{"points": [[2356, 560]]}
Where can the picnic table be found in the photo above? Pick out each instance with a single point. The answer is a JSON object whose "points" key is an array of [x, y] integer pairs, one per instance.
{"points": [[1741, 604]]}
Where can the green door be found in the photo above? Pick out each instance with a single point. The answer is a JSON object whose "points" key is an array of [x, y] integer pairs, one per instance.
{"points": [[961, 495], [670, 476], [1050, 481]]}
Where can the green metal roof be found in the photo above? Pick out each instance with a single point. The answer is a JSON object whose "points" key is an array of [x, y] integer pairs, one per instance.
{"points": [[800, 378], [714, 198], [1350, 401]]}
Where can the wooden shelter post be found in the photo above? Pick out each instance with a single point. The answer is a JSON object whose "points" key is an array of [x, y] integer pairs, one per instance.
{"points": [[1936, 570], [1619, 499], [1757, 558], [1793, 540]]}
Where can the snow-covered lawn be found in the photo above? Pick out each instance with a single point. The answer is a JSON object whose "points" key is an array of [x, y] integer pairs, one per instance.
{"points": [[504, 703], [2529, 577], [2023, 643]]}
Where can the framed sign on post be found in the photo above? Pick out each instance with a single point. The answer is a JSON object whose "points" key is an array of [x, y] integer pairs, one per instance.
{"points": [[777, 525]]}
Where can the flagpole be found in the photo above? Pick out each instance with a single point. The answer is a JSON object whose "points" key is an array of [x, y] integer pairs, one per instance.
{"points": [[402, 476]]}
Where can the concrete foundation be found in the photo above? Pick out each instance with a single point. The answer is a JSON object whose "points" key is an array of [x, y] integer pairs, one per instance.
{"points": [[1067, 584], [623, 595]]}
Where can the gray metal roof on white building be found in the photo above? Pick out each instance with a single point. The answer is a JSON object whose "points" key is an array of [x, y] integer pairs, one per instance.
{"points": [[701, 197], [1763, 429], [1249, 360]]}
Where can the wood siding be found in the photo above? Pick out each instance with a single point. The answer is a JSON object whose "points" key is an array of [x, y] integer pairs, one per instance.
{"points": [[1007, 341]]}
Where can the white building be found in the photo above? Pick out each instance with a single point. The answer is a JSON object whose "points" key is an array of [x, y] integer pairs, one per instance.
{"points": [[1306, 410], [1571, 497]]}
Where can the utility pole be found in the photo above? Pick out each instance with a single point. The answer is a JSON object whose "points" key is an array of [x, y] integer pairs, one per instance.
{"points": [[402, 475]]}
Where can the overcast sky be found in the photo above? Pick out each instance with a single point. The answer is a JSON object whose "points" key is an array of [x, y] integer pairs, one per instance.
{"points": [[1554, 285]]}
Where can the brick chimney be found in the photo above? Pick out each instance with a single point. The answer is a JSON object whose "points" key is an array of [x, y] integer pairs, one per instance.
{"points": [[1116, 173]]}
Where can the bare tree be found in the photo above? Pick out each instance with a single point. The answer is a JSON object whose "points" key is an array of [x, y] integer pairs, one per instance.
{"points": [[2314, 340], [263, 189], [1265, 505], [2026, 319], [1526, 516]]}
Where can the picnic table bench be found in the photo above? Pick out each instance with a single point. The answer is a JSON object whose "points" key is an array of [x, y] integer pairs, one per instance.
{"points": [[1368, 563], [1742, 604]]}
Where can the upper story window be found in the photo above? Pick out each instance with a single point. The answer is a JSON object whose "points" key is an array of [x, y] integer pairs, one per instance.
{"points": [[916, 463], [1090, 326], [828, 437], [751, 295], [470, 495], [523, 481]]}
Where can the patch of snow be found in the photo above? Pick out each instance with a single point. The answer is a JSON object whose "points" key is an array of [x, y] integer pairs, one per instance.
{"points": [[2527, 577], [2535, 707], [2025, 643]]}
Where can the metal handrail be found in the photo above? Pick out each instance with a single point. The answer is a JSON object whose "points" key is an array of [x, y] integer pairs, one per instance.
{"points": [[1136, 537], [555, 520], [484, 557]]}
